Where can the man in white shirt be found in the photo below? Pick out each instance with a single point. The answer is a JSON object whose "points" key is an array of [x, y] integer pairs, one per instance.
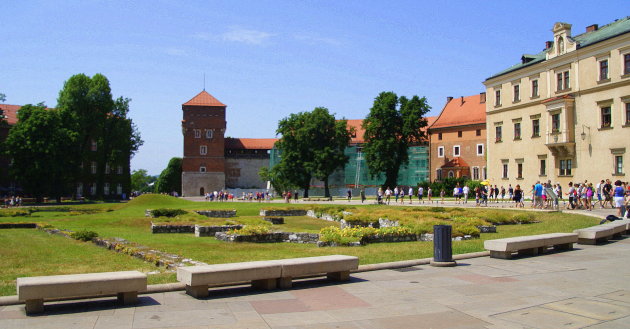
{"points": [[466, 191]]}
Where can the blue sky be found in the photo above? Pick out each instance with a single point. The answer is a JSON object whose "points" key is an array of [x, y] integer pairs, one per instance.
{"points": [[267, 59]]}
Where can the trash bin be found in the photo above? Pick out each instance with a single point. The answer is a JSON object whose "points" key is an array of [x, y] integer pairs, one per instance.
{"points": [[442, 246]]}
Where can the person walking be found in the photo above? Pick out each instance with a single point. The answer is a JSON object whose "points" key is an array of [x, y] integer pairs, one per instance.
{"points": [[362, 193], [420, 194], [410, 195], [466, 190], [618, 198]]}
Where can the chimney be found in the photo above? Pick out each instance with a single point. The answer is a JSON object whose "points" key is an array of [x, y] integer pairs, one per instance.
{"points": [[462, 100], [592, 28], [482, 97], [448, 99], [548, 44]]}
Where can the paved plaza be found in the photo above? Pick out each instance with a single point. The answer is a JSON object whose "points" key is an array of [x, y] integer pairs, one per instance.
{"points": [[586, 287]]}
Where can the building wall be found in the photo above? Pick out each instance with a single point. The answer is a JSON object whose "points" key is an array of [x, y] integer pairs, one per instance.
{"points": [[468, 148], [243, 172], [198, 183], [582, 138]]}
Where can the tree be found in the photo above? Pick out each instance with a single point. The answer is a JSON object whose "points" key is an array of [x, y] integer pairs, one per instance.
{"points": [[393, 125], [312, 145], [141, 181], [3, 97], [276, 177], [40, 147], [170, 180]]}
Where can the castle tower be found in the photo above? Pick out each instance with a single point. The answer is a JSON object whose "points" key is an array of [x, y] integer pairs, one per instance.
{"points": [[203, 126]]}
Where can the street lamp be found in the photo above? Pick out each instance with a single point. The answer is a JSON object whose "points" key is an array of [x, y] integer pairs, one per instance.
{"points": [[583, 134]]}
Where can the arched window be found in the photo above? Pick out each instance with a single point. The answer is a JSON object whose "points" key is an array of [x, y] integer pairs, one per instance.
{"points": [[451, 174]]}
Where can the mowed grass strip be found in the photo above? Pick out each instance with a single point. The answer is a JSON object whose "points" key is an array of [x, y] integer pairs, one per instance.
{"points": [[31, 252]]}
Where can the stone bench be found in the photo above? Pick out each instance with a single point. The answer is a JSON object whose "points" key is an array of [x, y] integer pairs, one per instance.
{"points": [[34, 290], [601, 233], [530, 245], [265, 274]]}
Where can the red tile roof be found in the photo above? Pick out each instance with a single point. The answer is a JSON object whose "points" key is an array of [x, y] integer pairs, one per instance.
{"points": [[455, 163], [358, 139], [10, 112], [457, 113], [204, 99], [250, 143]]}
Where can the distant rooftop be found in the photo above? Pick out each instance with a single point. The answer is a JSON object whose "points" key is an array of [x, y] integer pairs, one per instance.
{"points": [[462, 111], [204, 99]]}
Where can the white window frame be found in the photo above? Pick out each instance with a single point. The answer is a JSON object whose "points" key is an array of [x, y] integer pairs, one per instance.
{"points": [[505, 169], [476, 174], [451, 174], [203, 150], [483, 149], [440, 151], [209, 133], [119, 189], [202, 169], [459, 151], [616, 170], [93, 167], [106, 189], [516, 93], [93, 189], [120, 170], [599, 69], [197, 133], [565, 86], [537, 89], [438, 174]]}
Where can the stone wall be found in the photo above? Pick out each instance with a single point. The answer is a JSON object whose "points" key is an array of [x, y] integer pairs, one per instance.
{"points": [[217, 213], [283, 212], [165, 228], [271, 237], [243, 172], [274, 220], [201, 231], [17, 225]]}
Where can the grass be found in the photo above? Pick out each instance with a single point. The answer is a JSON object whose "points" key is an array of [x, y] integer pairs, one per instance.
{"points": [[47, 255]]}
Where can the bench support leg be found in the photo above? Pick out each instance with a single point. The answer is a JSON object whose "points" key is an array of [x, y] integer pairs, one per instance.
{"points": [[34, 306], [266, 284], [501, 254], [285, 283], [339, 276], [127, 298], [566, 246], [587, 241], [528, 252], [197, 291]]}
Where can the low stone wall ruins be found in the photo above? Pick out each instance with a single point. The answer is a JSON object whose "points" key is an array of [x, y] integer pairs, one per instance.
{"points": [[202, 231], [166, 228], [282, 213], [17, 225], [274, 220], [270, 237], [217, 213]]}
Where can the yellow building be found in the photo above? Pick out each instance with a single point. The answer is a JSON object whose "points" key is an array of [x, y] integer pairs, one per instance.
{"points": [[563, 114]]}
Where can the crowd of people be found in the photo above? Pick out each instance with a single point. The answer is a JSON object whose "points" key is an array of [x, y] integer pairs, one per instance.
{"points": [[12, 201]]}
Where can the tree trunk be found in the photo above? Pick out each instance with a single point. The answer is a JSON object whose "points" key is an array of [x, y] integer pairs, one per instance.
{"points": [[306, 192], [326, 189]]}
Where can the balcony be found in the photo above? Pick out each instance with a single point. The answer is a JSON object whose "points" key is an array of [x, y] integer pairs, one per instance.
{"points": [[561, 143]]}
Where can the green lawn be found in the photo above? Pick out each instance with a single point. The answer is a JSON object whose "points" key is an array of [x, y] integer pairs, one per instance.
{"points": [[25, 252]]}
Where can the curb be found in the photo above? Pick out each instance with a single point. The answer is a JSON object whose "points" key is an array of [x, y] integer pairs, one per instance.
{"points": [[178, 286]]}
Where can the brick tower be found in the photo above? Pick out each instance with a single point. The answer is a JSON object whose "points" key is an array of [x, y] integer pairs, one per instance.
{"points": [[203, 126]]}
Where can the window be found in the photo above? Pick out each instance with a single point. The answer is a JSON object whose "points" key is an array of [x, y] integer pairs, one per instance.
{"points": [[517, 130], [202, 169], [120, 170], [93, 189], [478, 132], [627, 113], [209, 133], [485, 173], [479, 149], [475, 173], [603, 70], [497, 98], [505, 170], [440, 150], [79, 189], [555, 123], [517, 93], [456, 150], [534, 88], [106, 189], [606, 117], [119, 189], [536, 128], [93, 167], [543, 167], [106, 170], [563, 81], [618, 164], [451, 174], [440, 136], [94, 146], [197, 133], [498, 133], [203, 150], [519, 170], [626, 64], [438, 174], [459, 134], [565, 167]]}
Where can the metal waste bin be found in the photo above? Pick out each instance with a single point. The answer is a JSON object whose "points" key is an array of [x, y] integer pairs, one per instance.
{"points": [[442, 246]]}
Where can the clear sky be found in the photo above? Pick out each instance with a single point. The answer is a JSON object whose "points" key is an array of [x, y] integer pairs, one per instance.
{"points": [[267, 59]]}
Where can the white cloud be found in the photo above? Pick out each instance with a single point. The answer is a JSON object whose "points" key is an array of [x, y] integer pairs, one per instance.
{"points": [[251, 37]]}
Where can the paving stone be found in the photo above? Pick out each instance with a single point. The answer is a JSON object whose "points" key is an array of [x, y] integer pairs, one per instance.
{"points": [[181, 318], [590, 308], [543, 318], [621, 295]]}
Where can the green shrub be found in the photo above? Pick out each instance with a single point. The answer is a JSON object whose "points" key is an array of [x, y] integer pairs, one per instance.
{"points": [[252, 230], [84, 235], [523, 218], [167, 212], [466, 229]]}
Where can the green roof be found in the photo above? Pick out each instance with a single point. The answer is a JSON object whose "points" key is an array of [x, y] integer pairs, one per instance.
{"points": [[605, 32]]}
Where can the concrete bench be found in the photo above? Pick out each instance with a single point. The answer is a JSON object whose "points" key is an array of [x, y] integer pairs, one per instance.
{"points": [[264, 274], [336, 267], [601, 233], [34, 290], [530, 245]]}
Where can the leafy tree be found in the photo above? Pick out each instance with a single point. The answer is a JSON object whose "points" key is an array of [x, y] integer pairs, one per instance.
{"points": [[294, 152], [141, 181], [276, 177], [40, 146], [392, 125], [3, 97], [170, 180]]}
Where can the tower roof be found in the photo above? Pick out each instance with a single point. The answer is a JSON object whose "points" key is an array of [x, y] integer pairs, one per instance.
{"points": [[204, 99]]}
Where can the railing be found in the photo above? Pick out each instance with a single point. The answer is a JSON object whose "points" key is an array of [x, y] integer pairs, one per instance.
{"points": [[556, 137]]}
